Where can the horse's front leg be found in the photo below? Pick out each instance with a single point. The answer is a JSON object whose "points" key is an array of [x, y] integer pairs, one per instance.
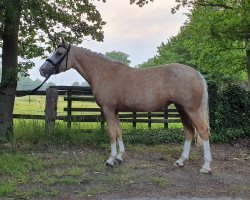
{"points": [[115, 135]]}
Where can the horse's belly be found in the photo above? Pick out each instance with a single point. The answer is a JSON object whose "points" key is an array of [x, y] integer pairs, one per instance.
{"points": [[123, 108], [141, 103]]}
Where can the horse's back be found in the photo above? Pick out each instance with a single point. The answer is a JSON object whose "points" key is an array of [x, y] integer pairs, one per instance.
{"points": [[169, 77]]}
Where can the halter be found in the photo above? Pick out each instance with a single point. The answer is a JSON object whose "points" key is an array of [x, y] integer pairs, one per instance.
{"points": [[56, 68], [56, 65]]}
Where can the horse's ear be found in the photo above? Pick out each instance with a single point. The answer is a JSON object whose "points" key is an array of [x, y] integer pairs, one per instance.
{"points": [[60, 40], [63, 41]]}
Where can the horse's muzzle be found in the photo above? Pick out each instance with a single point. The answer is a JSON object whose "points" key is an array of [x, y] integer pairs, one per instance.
{"points": [[47, 70]]}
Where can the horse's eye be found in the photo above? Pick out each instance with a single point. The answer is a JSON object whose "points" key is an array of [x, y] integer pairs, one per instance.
{"points": [[58, 53]]}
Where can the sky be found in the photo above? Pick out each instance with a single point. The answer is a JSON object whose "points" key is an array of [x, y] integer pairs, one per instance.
{"points": [[130, 29]]}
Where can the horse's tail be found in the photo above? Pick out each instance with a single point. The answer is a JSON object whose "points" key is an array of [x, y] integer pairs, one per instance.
{"points": [[204, 103], [204, 108]]}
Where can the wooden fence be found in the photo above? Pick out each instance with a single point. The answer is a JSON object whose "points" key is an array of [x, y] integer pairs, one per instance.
{"points": [[73, 113]]}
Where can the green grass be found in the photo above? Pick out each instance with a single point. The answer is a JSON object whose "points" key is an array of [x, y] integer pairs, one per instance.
{"points": [[159, 181], [29, 174], [15, 168], [18, 164], [33, 132], [75, 171], [7, 189], [36, 105]]}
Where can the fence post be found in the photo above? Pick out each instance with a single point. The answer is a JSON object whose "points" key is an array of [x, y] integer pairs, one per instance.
{"points": [[134, 119], [165, 117], [102, 120], [69, 105], [51, 109], [149, 120]]}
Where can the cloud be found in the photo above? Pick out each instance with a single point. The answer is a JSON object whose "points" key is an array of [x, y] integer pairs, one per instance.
{"points": [[137, 31], [131, 21]]}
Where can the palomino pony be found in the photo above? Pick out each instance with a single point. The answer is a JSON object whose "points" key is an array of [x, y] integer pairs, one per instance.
{"points": [[117, 87]]}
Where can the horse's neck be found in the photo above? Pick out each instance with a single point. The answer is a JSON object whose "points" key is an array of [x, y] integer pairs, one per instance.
{"points": [[90, 65]]}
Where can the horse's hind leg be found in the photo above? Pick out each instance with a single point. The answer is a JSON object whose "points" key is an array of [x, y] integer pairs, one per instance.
{"points": [[121, 150], [115, 135], [189, 133], [203, 129]]}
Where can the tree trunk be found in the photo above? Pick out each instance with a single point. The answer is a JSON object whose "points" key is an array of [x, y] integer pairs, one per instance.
{"points": [[12, 14]]}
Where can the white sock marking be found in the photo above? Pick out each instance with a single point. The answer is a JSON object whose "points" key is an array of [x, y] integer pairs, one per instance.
{"points": [[186, 150], [185, 154], [121, 149], [207, 155], [113, 153]]}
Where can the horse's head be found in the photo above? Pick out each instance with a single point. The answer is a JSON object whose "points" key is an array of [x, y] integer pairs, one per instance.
{"points": [[59, 61]]}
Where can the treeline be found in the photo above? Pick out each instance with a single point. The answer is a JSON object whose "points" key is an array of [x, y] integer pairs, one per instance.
{"points": [[214, 40], [26, 83]]}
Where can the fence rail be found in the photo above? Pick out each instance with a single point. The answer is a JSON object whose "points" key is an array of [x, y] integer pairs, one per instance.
{"points": [[73, 113]]}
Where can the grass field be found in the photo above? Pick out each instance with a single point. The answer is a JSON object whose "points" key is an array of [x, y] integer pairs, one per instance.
{"points": [[36, 105]]}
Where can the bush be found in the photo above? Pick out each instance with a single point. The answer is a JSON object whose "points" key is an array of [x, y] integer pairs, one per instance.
{"points": [[152, 136], [229, 112], [213, 103]]}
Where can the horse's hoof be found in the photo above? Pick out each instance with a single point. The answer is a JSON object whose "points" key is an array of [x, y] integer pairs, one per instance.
{"points": [[205, 171], [118, 161], [178, 163], [109, 165]]}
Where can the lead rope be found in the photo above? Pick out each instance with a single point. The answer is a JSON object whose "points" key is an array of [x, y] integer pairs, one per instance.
{"points": [[34, 90], [30, 92]]}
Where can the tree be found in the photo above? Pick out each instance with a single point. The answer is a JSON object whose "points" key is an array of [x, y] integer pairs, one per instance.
{"points": [[218, 56], [29, 28], [140, 2], [76, 83], [228, 23], [84, 84], [118, 56]]}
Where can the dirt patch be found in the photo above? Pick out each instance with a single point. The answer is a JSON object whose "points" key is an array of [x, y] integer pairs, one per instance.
{"points": [[146, 173], [230, 176]]}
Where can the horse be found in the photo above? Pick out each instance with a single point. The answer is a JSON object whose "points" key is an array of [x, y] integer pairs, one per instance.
{"points": [[118, 87]]}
